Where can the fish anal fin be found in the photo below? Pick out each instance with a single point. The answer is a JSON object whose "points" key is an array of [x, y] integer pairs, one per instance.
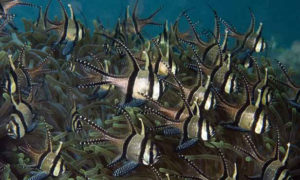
{"points": [[186, 144]]}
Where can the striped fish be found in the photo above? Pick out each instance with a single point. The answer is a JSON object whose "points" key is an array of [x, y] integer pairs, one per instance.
{"points": [[261, 90], [76, 123], [191, 124], [17, 78], [208, 52], [246, 117], [6, 5], [48, 161], [21, 119], [70, 30], [294, 101], [139, 24], [251, 40], [136, 148], [273, 168], [164, 56], [140, 81], [222, 75]]}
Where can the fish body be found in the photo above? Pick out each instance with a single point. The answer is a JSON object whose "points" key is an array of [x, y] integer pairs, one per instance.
{"points": [[136, 149]]}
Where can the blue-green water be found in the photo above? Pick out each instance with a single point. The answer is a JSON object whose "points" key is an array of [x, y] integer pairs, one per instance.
{"points": [[281, 18]]}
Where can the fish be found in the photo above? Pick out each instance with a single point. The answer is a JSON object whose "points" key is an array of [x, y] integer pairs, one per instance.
{"points": [[193, 128], [70, 30], [192, 125], [76, 123], [139, 23], [140, 80], [209, 52], [19, 78], [6, 5], [294, 101], [272, 168], [21, 119], [251, 40], [6, 19], [246, 117], [48, 161], [164, 54], [137, 149], [221, 76]]}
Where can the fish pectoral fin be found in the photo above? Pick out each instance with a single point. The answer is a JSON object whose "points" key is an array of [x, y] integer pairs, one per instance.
{"points": [[68, 48], [32, 126], [233, 126], [186, 144], [38, 176], [294, 104], [169, 131], [253, 177], [115, 161], [125, 169]]}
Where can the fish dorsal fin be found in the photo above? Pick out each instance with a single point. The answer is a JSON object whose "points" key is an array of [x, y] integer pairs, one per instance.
{"points": [[217, 26], [147, 46], [229, 60], [197, 108], [258, 100], [48, 137], [13, 100], [145, 58], [168, 176], [59, 148], [252, 23], [106, 65], [256, 67], [12, 65], [132, 58], [286, 154], [118, 27], [259, 30], [266, 76], [64, 10], [74, 108], [164, 35], [225, 41], [235, 171], [127, 13], [142, 133], [71, 12], [40, 20], [208, 82]]}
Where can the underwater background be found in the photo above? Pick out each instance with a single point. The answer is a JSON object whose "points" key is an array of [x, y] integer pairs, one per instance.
{"points": [[107, 95], [280, 18]]}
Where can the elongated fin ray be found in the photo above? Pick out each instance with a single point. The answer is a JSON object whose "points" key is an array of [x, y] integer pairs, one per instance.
{"points": [[134, 61], [193, 165], [106, 135]]}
